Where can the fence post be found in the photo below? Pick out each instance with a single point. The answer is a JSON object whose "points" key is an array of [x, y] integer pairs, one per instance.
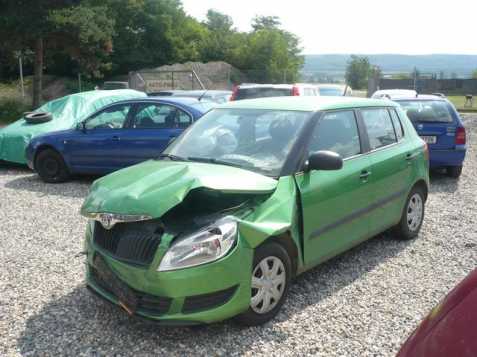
{"points": [[20, 64]]}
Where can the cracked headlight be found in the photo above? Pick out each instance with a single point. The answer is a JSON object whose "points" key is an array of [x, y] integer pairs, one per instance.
{"points": [[205, 246]]}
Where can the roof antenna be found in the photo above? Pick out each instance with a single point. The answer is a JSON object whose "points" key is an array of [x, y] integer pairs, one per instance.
{"points": [[203, 94]]}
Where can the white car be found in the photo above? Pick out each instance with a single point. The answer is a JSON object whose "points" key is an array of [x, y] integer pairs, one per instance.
{"points": [[393, 93]]}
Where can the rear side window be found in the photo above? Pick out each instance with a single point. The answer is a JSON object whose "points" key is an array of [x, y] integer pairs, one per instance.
{"points": [[379, 127], [160, 116], [250, 93], [397, 124], [427, 110], [338, 132]]}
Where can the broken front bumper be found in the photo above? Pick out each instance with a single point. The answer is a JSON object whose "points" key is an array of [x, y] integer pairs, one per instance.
{"points": [[203, 294]]}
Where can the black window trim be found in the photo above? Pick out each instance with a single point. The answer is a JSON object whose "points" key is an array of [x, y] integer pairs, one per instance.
{"points": [[391, 110]]}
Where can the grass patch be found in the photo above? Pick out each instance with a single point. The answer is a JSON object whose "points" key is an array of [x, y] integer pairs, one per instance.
{"points": [[459, 102]]}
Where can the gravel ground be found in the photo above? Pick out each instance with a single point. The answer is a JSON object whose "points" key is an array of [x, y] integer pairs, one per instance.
{"points": [[363, 303]]}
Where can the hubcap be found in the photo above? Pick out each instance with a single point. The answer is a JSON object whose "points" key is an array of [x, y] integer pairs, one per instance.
{"points": [[414, 212], [268, 284]]}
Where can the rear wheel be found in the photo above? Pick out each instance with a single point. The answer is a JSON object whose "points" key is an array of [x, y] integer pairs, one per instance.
{"points": [[271, 276], [412, 216], [454, 171], [51, 167]]}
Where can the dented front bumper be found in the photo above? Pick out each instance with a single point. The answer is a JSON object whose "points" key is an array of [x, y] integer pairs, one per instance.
{"points": [[203, 294]]}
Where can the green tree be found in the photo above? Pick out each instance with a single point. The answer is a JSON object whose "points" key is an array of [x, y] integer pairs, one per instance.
{"points": [[357, 72], [270, 54], [84, 33], [150, 33], [43, 25], [474, 74], [266, 22], [220, 37]]}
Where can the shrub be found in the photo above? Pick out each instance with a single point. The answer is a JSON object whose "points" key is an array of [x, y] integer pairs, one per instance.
{"points": [[11, 110]]}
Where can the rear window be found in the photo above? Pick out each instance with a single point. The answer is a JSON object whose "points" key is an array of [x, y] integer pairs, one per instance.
{"points": [[331, 92], [427, 110], [251, 93]]}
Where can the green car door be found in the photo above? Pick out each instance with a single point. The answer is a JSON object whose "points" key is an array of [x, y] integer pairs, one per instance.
{"points": [[335, 203], [391, 167]]}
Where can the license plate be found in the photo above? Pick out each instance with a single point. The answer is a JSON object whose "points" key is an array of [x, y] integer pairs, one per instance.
{"points": [[126, 297], [429, 139]]}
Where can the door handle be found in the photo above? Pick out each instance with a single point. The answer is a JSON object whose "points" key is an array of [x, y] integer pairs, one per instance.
{"points": [[116, 138], [365, 174], [411, 156]]}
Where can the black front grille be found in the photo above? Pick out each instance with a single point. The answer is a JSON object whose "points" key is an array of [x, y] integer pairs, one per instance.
{"points": [[135, 243], [148, 304], [207, 301]]}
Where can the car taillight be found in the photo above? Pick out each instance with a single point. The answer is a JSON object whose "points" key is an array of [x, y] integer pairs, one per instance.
{"points": [[460, 136], [295, 91], [234, 93]]}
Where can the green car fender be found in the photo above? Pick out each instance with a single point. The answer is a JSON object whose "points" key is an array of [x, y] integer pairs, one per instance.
{"points": [[278, 217]]}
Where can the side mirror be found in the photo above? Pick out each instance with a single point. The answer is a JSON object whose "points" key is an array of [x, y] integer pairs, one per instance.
{"points": [[324, 160]]}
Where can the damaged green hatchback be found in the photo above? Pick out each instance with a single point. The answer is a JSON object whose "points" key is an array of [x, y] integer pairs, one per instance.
{"points": [[253, 194]]}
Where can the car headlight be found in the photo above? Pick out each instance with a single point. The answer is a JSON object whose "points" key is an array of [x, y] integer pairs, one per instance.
{"points": [[205, 246]]}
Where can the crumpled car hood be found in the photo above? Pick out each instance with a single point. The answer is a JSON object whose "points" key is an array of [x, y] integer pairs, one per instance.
{"points": [[154, 187]]}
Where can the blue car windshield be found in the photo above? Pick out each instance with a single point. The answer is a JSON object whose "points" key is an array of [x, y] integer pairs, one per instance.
{"points": [[336, 92], [255, 139], [427, 110]]}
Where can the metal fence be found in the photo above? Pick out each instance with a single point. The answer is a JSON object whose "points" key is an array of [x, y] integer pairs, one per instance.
{"points": [[430, 85]]}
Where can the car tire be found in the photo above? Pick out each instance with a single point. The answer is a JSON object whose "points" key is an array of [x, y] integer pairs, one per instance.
{"points": [[38, 117], [265, 307], [412, 215], [454, 171], [51, 167]]}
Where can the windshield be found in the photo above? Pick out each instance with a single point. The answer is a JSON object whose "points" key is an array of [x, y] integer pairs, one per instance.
{"points": [[254, 139], [427, 110]]}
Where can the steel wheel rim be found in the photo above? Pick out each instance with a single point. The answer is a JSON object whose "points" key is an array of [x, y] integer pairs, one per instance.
{"points": [[51, 167], [268, 284], [414, 212]]}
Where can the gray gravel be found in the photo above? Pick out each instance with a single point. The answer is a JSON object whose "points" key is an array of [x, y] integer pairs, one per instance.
{"points": [[363, 303]]}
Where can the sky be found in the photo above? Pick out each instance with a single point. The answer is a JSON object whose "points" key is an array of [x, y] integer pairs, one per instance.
{"points": [[361, 26]]}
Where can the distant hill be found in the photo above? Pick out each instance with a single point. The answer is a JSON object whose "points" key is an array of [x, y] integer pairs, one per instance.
{"points": [[335, 64]]}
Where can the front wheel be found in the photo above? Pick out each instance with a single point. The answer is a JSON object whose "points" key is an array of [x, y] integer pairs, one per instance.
{"points": [[412, 216], [271, 276], [51, 167]]}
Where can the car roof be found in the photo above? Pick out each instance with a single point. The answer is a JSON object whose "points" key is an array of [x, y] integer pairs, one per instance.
{"points": [[278, 86], [420, 97], [307, 104], [182, 101]]}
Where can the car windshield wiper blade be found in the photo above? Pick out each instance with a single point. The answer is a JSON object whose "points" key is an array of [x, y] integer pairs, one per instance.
{"points": [[172, 157], [215, 161]]}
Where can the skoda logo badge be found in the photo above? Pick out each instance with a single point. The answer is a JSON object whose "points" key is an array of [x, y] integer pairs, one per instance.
{"points": [[106, 220], [420, 126]]}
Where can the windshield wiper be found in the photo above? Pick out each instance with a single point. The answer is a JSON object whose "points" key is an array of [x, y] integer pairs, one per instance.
{"points": [[215, 161], [171, 157]]}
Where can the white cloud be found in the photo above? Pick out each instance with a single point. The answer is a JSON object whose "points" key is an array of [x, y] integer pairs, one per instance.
{"points": [[361, 26]]}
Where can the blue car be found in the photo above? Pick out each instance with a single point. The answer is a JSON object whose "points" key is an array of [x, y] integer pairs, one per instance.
{"points": [[438, 123], [118, 135]]}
